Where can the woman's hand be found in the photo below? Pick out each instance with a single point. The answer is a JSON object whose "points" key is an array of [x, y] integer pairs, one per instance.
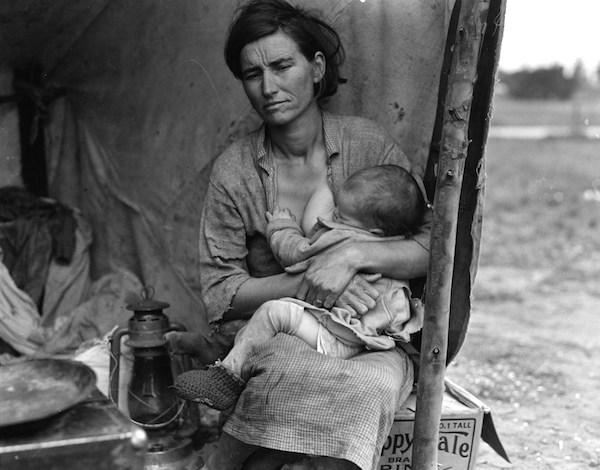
{"points": [[331, 279], [359, 296]]}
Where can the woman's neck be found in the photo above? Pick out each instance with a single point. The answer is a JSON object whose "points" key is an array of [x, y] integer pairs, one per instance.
{"points": [[299, 138]]}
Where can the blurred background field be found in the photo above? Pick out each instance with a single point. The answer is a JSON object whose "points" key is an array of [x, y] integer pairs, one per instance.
{"points": [[542, 202], [533, 348], [584, 108]]}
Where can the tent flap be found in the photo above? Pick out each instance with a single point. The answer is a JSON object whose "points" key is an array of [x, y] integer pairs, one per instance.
{"points": [[150, 104]]}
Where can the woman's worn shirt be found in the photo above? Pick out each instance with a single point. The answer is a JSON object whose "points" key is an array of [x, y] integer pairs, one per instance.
{"points": [[243, 187]]}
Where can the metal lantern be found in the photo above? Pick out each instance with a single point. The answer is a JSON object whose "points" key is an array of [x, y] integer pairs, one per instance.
{"points": [[151, 400]]}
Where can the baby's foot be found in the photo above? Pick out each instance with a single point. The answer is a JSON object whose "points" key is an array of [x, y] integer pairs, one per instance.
{"points": [[216, 386]]}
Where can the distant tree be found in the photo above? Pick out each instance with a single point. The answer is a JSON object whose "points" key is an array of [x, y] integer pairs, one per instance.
{"points": [[579, 76], [543, 83]]}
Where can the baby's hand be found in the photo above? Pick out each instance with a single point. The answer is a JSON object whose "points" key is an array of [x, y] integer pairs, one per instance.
{"points": [[279, 214]]}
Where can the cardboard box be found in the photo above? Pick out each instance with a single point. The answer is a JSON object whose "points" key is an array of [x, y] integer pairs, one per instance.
{"points": [[460, 432]]}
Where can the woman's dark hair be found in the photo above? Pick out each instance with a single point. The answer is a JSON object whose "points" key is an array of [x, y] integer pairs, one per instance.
{"points": [[387, 197], [256, 19]]}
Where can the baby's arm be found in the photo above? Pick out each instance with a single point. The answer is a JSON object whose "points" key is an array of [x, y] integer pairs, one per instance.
{"points": [[285, 237]]}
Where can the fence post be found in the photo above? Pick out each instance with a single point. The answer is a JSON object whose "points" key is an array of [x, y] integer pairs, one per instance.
{"points": [[453, 153]]}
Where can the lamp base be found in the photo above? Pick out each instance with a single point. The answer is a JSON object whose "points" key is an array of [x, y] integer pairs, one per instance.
{"points": [[169, 453]]}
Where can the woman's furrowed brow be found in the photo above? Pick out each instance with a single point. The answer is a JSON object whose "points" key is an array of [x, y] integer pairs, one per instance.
{"points": [[272, 64], [281, 61]]}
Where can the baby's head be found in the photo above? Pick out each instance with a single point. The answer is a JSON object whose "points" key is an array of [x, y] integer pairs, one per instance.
{"points": [[385, 200]]}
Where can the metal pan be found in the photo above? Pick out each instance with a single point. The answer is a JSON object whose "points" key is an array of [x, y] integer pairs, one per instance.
{"points": [[38, 389]]}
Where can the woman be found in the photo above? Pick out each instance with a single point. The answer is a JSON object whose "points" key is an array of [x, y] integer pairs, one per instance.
{"points": [[288, 60]]}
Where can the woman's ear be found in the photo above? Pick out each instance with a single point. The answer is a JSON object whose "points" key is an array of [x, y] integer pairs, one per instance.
{"points": [[318, 67]]}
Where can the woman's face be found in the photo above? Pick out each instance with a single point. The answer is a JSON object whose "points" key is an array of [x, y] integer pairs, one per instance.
{"points": [[278, 79]]}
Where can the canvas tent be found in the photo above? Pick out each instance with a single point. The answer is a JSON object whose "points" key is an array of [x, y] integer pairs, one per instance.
{"points": [[118, 109], [136, 103]]}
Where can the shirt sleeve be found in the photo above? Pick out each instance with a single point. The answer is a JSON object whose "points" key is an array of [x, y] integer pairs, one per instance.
{"points": [[422, 237], [288, 243], [393, 155], [222, 251]]}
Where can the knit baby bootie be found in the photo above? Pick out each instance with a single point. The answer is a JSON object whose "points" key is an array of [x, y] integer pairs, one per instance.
{"points": [[216, 386]]}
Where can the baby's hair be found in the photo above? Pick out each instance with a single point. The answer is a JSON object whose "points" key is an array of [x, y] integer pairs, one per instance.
{"points": [[388, 198]]}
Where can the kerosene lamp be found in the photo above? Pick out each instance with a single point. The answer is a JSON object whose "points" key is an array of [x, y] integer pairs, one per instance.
{"points": [[152, 403]]}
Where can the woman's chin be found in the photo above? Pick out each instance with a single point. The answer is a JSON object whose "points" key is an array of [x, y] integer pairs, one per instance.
{"points": [[278, 118]]}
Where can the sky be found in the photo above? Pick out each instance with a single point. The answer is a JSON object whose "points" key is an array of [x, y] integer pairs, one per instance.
{"points": [[540, 33]]}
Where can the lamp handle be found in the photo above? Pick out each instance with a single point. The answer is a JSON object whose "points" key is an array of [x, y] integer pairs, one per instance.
{"points": [[115, 359]]}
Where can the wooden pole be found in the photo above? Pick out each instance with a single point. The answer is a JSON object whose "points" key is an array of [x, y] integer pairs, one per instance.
{"points": [[454, 145]]}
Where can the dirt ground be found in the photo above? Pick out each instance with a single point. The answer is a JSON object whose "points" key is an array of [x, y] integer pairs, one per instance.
{"points": [[533, 349], [535, 361]]}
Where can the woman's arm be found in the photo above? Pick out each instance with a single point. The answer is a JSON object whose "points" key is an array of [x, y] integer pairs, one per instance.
{"points": [[256, 291], [332, 276], [333, 273]]}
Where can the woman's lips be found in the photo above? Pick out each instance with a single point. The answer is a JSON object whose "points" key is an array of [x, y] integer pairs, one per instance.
{"points": [[272, 106]]}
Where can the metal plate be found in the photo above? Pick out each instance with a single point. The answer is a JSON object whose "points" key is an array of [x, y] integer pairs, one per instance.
{"points": [[34, 390]]}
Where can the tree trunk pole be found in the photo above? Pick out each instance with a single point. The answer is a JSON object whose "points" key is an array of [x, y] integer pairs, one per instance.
{"points": [[454, 145]]}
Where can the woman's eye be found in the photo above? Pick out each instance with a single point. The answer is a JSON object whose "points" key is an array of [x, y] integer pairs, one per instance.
{"points": [[250, 76]]}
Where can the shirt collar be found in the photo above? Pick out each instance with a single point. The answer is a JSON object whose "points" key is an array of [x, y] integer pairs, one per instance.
{"points": [[265, 152], [331, 144], [262, 143]]}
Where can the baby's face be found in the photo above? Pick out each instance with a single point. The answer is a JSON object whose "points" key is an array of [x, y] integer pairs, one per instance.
{"points": [[346, 212]]}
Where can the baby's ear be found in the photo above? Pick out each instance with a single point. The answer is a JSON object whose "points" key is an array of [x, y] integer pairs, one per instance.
{"points": [[376, 231]]}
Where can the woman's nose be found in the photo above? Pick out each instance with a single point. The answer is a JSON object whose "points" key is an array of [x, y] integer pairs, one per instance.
{"points": [[269, 84]]}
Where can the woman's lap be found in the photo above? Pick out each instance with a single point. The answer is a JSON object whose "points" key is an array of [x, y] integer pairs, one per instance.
{"points": [[298, 400]]}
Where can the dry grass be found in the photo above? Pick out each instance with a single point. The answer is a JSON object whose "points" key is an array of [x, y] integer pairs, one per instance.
{"points": [[542, 203]]}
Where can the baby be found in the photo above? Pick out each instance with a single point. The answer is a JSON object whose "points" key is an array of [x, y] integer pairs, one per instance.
{"points": [[376, 202]]}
